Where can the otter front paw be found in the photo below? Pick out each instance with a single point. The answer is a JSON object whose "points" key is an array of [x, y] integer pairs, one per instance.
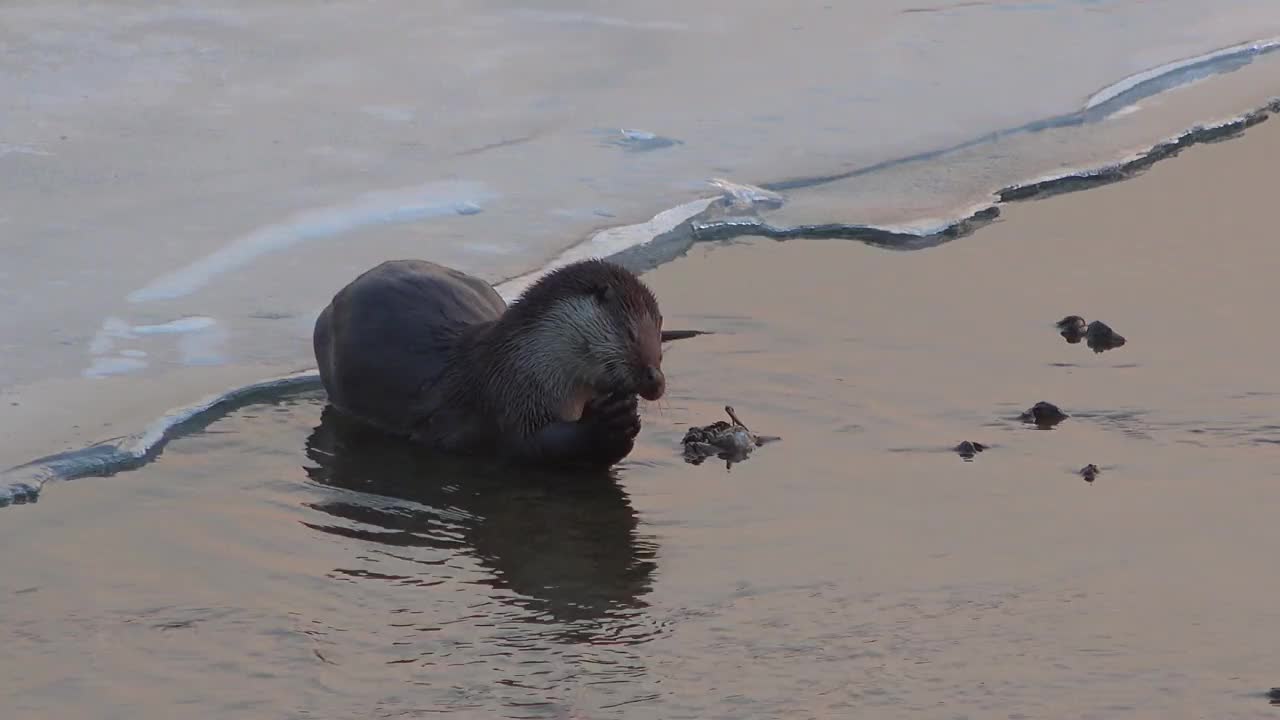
{"points": [[612, 423]]}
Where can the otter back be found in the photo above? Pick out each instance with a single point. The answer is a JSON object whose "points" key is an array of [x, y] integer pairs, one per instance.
{"points": [[388, 336]]}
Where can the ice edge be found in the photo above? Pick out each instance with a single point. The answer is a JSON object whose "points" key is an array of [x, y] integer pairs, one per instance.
{"points": [[670, 234]]}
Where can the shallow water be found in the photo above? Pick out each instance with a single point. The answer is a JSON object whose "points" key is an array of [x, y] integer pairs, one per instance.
{"points": [[236, 162], [279, 564], [184, 186]]}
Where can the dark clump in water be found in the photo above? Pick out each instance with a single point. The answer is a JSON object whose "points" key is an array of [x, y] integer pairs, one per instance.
{"points": [[565, 544], [1097, 335], [1100, 337], [1274, 695], [1072, 328], [968, 449], [730, 441], [1089, 472], [1043, 415]]}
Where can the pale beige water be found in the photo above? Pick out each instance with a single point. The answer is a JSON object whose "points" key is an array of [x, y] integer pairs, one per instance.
{"points": [[269, 568]]}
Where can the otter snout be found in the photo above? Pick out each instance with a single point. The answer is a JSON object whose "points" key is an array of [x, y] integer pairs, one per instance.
{"points": [[652, 383]]}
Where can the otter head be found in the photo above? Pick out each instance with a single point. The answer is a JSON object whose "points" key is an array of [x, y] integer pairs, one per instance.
{"points": [[611, 320], [630, 351]]}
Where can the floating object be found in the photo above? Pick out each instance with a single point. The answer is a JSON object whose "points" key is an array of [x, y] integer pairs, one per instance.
{"points": [[1072, 328], [1089, 472], [968, 449], [1044, 415], [1100, 337], [730, 441], [1097, 335]]}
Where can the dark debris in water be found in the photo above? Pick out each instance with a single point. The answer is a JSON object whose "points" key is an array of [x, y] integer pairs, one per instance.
{"points": [[968, 449], [1089, 472], [1043, 415], [1274, 695], [1072, 328], [730, 441], [1097, 335], [1100, 337]]}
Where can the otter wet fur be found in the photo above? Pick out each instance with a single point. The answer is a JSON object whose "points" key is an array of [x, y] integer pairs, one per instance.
{"points": [[427, 352]]}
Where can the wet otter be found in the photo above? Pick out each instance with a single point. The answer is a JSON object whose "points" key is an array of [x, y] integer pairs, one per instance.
{"points": [[427, 352]]}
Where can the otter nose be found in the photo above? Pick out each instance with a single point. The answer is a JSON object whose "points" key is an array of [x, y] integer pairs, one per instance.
{"points": [[655, 383]]}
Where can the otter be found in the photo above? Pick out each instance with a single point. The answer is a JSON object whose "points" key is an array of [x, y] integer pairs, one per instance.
{"points": [[433, 354]]}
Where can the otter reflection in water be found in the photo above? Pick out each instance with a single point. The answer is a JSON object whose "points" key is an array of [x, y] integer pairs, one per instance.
{"points": [[566, 544]]}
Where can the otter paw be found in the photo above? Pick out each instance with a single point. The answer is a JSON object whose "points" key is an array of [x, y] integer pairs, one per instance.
{"points": [[614, 415], [613, 423]]}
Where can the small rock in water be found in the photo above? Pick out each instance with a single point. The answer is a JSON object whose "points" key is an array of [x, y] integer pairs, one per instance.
{"points": [[1072, 328], [730, 441], [968, 449], [1100, 337], [1089, 472], [1274, 695], [1044, 415]]}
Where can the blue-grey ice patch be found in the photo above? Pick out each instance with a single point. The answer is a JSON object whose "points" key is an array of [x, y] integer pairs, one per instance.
{"points": [[638, 140], [11, 149], [106, 365], [189, 324], [1126, 93], [200, 342], [404, 205], [113, 328], [204, 347], [574, 18], [580, 213], [390, 113]]}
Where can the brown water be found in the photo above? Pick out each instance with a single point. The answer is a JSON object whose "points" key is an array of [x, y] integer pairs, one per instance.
{"points": [[276, 564]]}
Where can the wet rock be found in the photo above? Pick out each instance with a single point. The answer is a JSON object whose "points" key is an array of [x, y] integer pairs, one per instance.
{"points": [[1043, 415], [1089, 472], [1072, 328], [730, 441], [968, 449], [1100, 337]]}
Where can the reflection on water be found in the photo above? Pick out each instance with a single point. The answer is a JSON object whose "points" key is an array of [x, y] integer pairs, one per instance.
{"points": [[564, 546]]}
